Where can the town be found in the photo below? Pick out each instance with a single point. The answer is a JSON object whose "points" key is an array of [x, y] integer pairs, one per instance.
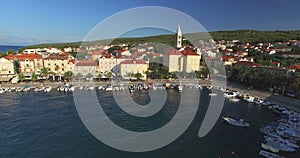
{"points": [[266, 66]]}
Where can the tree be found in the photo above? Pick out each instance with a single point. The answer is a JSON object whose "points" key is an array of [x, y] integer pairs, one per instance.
{"points": [[21, 77], [109, 75], [100, 76], [89, 76], [45, 71], [138, 76], [204, 72], [68, 75], [296, 83], [79, 76], [34, 77]]}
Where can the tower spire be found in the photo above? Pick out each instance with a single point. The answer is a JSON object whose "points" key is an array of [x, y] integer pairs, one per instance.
{"points": [[178, 37]]}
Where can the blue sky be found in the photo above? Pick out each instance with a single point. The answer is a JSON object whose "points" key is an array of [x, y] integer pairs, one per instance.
{"points": [[42, 21]]}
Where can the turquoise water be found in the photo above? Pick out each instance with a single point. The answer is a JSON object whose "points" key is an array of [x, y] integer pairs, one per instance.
{"points": [[47, 125]]}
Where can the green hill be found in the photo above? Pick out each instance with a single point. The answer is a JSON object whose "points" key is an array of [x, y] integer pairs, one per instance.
{"points": [[245, 36]]}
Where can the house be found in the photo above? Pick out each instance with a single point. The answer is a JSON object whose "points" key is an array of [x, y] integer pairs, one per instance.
{"points": [[131, 67], [85, 67], [59, 64], [248, 63], [7, 69], [294, 68], [228, 60], [174, 60], [28, 63], [191, 61], [109, 64]]}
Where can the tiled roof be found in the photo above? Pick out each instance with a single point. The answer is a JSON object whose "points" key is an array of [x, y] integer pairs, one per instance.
{"points": [[296, 67], [133, 62], [248, 63], [86, 63], [22, 57]]}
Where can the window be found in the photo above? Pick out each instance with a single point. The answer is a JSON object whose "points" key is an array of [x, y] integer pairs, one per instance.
{"points": [[62, 64], [63, 69], [27, 65], [48, 64]]}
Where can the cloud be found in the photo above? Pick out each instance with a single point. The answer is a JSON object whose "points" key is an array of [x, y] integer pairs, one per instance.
{"points": [[13, 40]]}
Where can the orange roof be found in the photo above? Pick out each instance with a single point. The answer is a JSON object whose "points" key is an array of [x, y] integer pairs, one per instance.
{"points": [[248, 63], [296, 67], [22, 57], [86, 63], [189, 53], [133, 62]]}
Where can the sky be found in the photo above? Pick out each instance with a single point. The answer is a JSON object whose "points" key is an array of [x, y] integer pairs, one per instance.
{"points": [[47, 21]]}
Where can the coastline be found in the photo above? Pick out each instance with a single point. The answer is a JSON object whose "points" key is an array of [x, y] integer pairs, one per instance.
{"points": [[288, 102]]}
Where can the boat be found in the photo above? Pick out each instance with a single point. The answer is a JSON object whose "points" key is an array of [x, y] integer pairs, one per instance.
{"points": [[179, 87], [234, 99], [234, 122], [272, 146], [230, 94], [108, 89], [283, 141], [212, 94], [267, 154]]}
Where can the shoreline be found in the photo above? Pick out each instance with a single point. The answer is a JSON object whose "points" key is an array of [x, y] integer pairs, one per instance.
{"points": [[288, 102]]}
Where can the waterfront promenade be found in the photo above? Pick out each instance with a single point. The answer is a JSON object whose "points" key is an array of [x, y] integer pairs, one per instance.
{"points": [[287, 102]]}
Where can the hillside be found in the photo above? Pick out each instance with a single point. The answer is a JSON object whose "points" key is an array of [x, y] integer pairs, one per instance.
{"points": [[245, 36]]}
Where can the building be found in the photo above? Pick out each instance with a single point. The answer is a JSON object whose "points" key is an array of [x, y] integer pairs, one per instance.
{"points": [[130, 67], [191, 62], [174, 60], [28, 63], [110, 64], [178, 37], [85, 67], [7, 70], [59, 64]]}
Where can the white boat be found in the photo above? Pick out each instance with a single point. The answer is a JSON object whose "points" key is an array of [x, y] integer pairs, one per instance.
{"points": [[272, 146], [230, 94], [212, 94], [179, 87], [234, 122], [109, 89], [1, 91], [47, 89], [283, 141], [234, 99], [267, 154]]}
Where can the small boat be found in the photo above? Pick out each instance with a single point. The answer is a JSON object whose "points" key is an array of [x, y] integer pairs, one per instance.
{"points": [[212, 94], [108, 89], [267, 154], [234, 122], [179, 87], [272, 146]]}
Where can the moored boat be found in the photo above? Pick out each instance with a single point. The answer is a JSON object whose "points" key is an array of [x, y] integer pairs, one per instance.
{"points": [[234, 122]]}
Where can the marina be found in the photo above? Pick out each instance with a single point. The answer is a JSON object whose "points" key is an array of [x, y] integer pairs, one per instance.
{"points": [[254, 113]]}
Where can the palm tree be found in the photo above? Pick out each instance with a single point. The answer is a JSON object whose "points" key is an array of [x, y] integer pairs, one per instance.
{"points": [[68, 75], [79, 76], [99, 76], [296, 83], [45, 71], [33, 77], [89, 76], [109, 75], [21, 77]]}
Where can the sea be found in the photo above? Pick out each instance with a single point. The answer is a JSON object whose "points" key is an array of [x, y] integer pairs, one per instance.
{"points": [[5, 48], [37, 124]]}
